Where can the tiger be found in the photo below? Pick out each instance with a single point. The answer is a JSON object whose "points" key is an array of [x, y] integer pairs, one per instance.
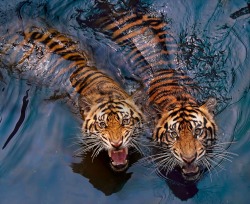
{"points": [[185, 131], [112, 121]]}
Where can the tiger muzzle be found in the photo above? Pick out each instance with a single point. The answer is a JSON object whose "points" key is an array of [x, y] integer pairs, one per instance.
{"points": [[190, 169]]}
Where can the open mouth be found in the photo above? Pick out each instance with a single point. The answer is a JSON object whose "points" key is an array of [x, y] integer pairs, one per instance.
{"points": [[118, 159], [190, 171]]}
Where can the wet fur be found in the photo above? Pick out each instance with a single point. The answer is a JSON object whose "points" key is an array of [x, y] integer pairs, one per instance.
{"points": [[99, 98], [184, 130]]}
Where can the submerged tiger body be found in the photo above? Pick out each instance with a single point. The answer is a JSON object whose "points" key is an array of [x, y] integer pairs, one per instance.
{"points": [[184, 129], [111, 120]]}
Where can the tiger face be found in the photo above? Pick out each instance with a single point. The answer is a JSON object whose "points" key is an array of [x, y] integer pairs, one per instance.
{"points": [[187, 135], [113, 126]]}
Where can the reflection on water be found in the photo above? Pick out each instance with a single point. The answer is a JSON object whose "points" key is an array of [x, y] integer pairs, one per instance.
{"points": [[20, 121], [241, 12], [38, 164], [99, 173]]}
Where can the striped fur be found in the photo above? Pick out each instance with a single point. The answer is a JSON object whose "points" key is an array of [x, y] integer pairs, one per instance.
{"points": [[147, 43], [112, 121], [187, 130]]}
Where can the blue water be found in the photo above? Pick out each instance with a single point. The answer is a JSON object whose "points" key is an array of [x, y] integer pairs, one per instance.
{"points": [[38, 165]]}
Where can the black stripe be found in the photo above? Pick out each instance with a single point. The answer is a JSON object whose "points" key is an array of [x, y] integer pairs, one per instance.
{"points": [[87, 122], [165, 78], [66, 52], [138, 58], [103, 105], [192, 116], [164, 93], [53, 45], [161, 73], [79, 69], [36, 36], [126, 42], [160, 87], [47, 40], [76, 58], [130, 30], [192, 111], [164, 101], [118, 107], [59, 49], [88, 84], [77, 74], [84, 80], [125, 23], [174, 114], [157, 133], [168, 140]]}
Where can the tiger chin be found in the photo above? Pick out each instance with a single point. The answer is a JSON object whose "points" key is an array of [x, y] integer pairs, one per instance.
{"points": [[114, 126], [187, 135]]}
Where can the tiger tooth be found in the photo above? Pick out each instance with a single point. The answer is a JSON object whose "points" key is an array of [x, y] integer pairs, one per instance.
{"points": [[109, 152], [126, 150]]}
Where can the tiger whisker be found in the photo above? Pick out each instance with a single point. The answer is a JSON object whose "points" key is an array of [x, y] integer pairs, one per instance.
{"points": [[167, 164], [160, 155], [207, 167], [225, 152], [88, 148], [220, 154], [162, 161], [96, 151], [161, 175], [215, 163], [222, 157], [223, 143], [154, 158], [136, 146]]}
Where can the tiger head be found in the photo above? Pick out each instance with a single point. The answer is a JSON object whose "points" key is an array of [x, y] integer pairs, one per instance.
{"points": [[187, 134], [113, 126]]}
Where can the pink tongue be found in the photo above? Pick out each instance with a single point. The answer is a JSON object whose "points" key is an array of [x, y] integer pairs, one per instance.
{"points": [[119, 157]]}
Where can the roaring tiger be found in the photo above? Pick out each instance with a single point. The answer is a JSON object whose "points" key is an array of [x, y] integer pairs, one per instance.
{"points": [[184, 129], [111, 120]]}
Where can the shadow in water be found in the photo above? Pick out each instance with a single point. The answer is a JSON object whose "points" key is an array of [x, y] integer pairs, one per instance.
{"points": [[21, 119], [241, 12], [100, 174], [180, 187]]}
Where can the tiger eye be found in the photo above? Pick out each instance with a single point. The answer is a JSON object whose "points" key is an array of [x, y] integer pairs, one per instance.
{"points": [[174, 135], [102, 124], [198, 132], [125, 121]]}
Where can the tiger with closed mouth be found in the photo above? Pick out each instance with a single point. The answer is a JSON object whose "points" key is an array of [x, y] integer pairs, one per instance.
{"points": [[112, 122], [184, 129]]}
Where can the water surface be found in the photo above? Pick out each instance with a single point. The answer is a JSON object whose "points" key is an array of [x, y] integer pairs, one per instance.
{"points": [[38, 136]]}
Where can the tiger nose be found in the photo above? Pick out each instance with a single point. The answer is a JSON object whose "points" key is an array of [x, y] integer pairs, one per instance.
{"points": [[189, 159], [116, 144]]}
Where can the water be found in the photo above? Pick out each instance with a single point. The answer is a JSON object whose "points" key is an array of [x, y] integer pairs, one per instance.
{"points": [[37, 165]]}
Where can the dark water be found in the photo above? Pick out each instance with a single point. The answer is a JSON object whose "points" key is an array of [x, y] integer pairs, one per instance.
{"points": [[38, 136]]}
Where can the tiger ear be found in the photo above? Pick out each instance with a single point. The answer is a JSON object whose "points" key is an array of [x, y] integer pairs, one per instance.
{"points": [[84, 106], [210, 105]]}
